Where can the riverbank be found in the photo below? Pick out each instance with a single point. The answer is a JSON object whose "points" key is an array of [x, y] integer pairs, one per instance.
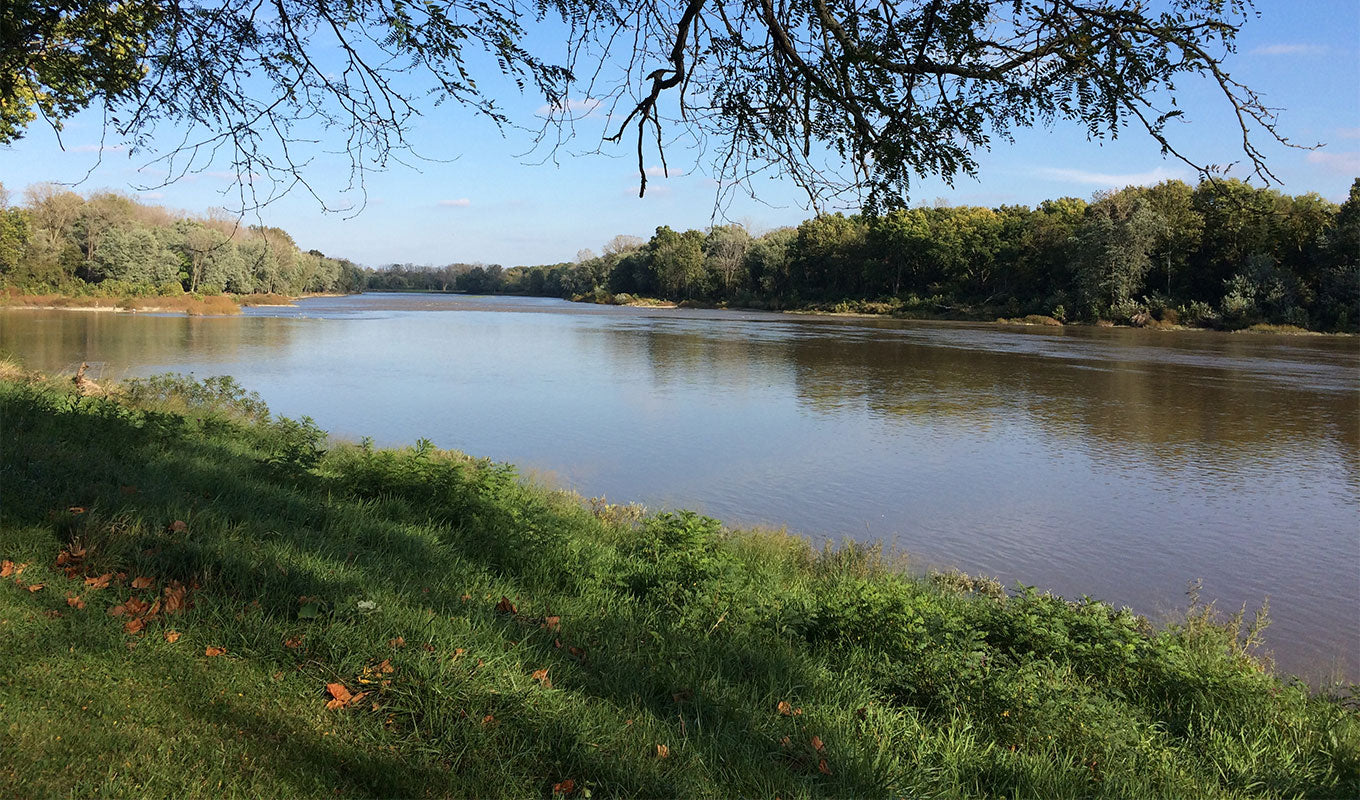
{"points": [[187, 303], [303, 619]]}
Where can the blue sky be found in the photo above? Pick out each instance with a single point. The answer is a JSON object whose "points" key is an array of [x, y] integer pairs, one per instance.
{"points": [[484, 200]]}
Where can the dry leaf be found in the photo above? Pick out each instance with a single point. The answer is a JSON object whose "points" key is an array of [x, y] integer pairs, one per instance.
{"points": [[386, 666], [541, 675], [178, 526], [785, 708], [6, 569], [134, 625], [340, 696], [172, 636], [101, 582], [174, 597], [823, 768], [136, 606], [458, 652], [817, 743], [488, 719], [213, 652], [76, 510], [662, 751], [117, 611], [506, 607], [293, 642], [75, 602], [36, 586], [142, 583], [552, 623], [566, 787], [397, 642]]}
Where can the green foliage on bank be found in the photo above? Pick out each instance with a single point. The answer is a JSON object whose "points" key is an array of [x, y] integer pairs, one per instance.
{"points": [[512, 641], [55, 241], [1224, 254]]}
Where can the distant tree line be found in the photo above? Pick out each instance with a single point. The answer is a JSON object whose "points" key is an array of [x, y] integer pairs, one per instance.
{"points": [[57, 241], [1224, 253]]}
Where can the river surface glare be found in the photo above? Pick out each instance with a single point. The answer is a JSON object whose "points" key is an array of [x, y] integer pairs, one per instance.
{"points": [[1114, 463]]}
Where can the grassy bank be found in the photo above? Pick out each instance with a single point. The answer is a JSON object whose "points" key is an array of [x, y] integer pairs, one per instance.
{"points": [[202, 600]]}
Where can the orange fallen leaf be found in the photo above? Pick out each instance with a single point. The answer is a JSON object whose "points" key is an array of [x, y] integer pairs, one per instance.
{"points": [[662, 751], [178, 526], [136, 606], [172, 636], [6, 569], [339, 695], [75, 602], [117, 611], [134, 625], [506, 607], [552, 623], [293, 642], [76, 510], [785, 708], [36, 587], [458, 652], [566, 787], [817, 743], [400, 641], [101, 582], [213, 652], [386, 666], [823, 768], [174, 597], [488, 719], [142, 582], [541, 675]]}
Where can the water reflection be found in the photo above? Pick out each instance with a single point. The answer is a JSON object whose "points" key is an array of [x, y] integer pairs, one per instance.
{"points": [[1114, 463]]}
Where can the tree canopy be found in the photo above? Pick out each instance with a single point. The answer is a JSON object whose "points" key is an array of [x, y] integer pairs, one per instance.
{"points": [[841, 95]]}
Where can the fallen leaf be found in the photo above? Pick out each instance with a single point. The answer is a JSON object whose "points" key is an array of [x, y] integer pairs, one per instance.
{"points": [[339, 695], [552, 623], [386, 666], [823, 768], [75, 602], [506, 607], [172, 636], [817, 743], [566, 787], [785, 708], [466, 598], [142, 582], [458, 652], [488, 719], [6, 569], [134, 626], [786, 741], [662, 751], [293, 642], [578, 652], [178, 526], [174, 597], [76, 510], [397, 642], [541, 675], [213, 652], [136, 606], [36, 587], [101, 582], [117, 611]]}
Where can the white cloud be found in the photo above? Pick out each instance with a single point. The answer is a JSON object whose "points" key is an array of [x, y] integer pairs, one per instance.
{"points": [[1290, 50], [461, 202], [1345, 163], [571, 107], [1114, 180], [656, 171]]}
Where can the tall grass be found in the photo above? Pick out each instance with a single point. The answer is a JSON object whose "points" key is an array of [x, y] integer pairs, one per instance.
{"points": [[515, 642]]}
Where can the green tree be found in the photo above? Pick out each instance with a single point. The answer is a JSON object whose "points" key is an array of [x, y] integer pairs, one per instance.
{"points": [[896, 91], [1112, 250], [677, 259]]}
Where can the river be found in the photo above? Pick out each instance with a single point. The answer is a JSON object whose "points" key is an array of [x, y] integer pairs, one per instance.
{"points": [[1115, 463]]}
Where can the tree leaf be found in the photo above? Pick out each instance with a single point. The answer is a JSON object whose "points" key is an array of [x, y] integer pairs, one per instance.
{"points": [[213, 652], [142, 582], [172, 636], [663, 751]]}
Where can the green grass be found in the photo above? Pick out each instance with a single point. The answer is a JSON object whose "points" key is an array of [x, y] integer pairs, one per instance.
{"points": [[668, 630]]}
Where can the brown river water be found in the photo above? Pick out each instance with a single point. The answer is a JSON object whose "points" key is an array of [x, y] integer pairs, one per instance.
{"points": [[1115, 463]]}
